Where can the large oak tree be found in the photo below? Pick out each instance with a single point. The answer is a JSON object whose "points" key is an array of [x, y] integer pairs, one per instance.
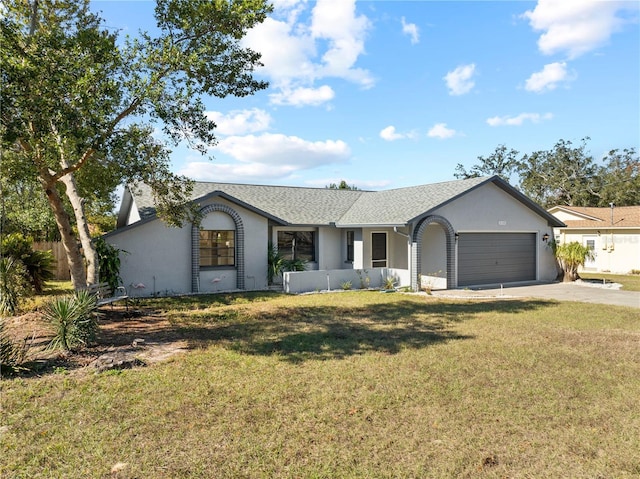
{"points": [[81, 108]]}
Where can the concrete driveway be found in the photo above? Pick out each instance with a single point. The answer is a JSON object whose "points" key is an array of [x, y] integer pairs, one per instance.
{"points": [[586, 293]]}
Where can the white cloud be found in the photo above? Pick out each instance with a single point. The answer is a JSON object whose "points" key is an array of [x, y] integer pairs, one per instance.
{"points": [[389, 133], [548, 79], [411, 29], [459, 81], [575, 27], [337, 23], [440, 130], [297, 51], [240, 122], [518, 120], [278, 148], [267, 155], [273, 37], [303, 96], [232, 172]]}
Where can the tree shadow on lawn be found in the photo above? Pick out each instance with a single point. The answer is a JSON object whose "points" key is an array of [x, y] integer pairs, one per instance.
{"points": [[335, 332]]}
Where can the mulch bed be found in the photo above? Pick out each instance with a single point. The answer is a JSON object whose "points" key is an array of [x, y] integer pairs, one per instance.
{"points": [[124, 333]]}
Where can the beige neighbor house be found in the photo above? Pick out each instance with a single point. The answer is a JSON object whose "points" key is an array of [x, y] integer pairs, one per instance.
{"points": [[612, 233], [454, 234]]}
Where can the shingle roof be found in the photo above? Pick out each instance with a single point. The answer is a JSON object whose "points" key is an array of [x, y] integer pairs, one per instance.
{"points": [[292, 205], [399, 206], [323, 206], [592, 217]]}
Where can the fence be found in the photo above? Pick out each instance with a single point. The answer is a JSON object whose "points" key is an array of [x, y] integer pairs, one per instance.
{"points": [[61, 267]]}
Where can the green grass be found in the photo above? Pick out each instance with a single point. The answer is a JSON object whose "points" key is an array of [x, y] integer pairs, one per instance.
{"points": [[629, 282], [51, 289], [347, 385]]}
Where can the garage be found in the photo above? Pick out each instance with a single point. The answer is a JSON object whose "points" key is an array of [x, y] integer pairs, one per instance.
{"points": [[492, 258]]}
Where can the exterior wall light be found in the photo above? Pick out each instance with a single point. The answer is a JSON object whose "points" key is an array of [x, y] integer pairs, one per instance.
{"points": [[545, 237]]}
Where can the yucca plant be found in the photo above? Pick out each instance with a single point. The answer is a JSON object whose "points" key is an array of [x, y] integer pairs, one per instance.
{"points": [[74, 320]]}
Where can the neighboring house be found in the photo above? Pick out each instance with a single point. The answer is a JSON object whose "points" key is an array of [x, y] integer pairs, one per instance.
{"points": [[612, 233], [454, 234]]}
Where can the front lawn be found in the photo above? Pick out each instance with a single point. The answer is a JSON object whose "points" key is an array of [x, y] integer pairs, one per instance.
{"points": [[346, 385], [629, 282]]}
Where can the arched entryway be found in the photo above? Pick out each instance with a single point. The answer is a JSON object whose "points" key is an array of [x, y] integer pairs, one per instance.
{"points": [[239, 246], [417, 250]]}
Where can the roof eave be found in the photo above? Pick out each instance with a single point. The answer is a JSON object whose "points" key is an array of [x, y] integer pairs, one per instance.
{"points": [[370, 225]]}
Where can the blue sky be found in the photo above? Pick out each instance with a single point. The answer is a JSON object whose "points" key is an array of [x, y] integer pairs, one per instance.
{"points": [[386, 94]]}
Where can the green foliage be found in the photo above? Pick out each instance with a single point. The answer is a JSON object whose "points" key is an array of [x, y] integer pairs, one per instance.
{"points": [[39, 264], [296, 264], [74, 319], [25, 208], [277, 264], [13, 284], [12, 354], [109, 262], [565, 174], [502, 162], [389, 283], [86, 122], [570, 257], [346, 285], [619, 178], [343, 185]]}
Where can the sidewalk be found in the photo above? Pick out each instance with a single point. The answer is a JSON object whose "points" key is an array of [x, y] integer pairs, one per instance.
{"points": [[582, 292]]}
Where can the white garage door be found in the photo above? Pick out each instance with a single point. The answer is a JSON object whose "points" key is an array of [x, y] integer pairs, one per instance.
{"points": [[492, 258]]}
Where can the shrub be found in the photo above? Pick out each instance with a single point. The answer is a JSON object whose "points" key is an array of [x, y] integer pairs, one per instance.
{"points": [[74, 319], [12, 354], [346, 285], [389, 283], [108, 263], [13, 284], [275, 263], [295, 265], [38, 264]]}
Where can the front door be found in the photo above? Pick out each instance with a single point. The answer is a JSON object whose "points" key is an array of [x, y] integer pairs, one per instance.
{"points": [[379, 250], [590, 243]]}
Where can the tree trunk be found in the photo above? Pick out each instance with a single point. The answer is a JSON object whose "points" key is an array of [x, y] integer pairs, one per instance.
{"points": [[77, 203], [76, 264], [570, 275]]}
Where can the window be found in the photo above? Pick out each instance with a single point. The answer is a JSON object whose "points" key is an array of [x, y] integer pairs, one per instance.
{"points": [[350, 240], [379, 250], [217, 248], [297, 245]]}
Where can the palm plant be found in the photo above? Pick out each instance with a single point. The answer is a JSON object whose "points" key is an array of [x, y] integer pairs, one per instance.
{"points": [[570, 257]]}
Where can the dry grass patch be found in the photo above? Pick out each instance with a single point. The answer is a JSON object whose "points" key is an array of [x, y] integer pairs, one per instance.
{"points": [[348, 385]]}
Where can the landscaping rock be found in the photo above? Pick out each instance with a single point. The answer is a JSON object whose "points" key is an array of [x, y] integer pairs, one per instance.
{"points": [[116, 360]]}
